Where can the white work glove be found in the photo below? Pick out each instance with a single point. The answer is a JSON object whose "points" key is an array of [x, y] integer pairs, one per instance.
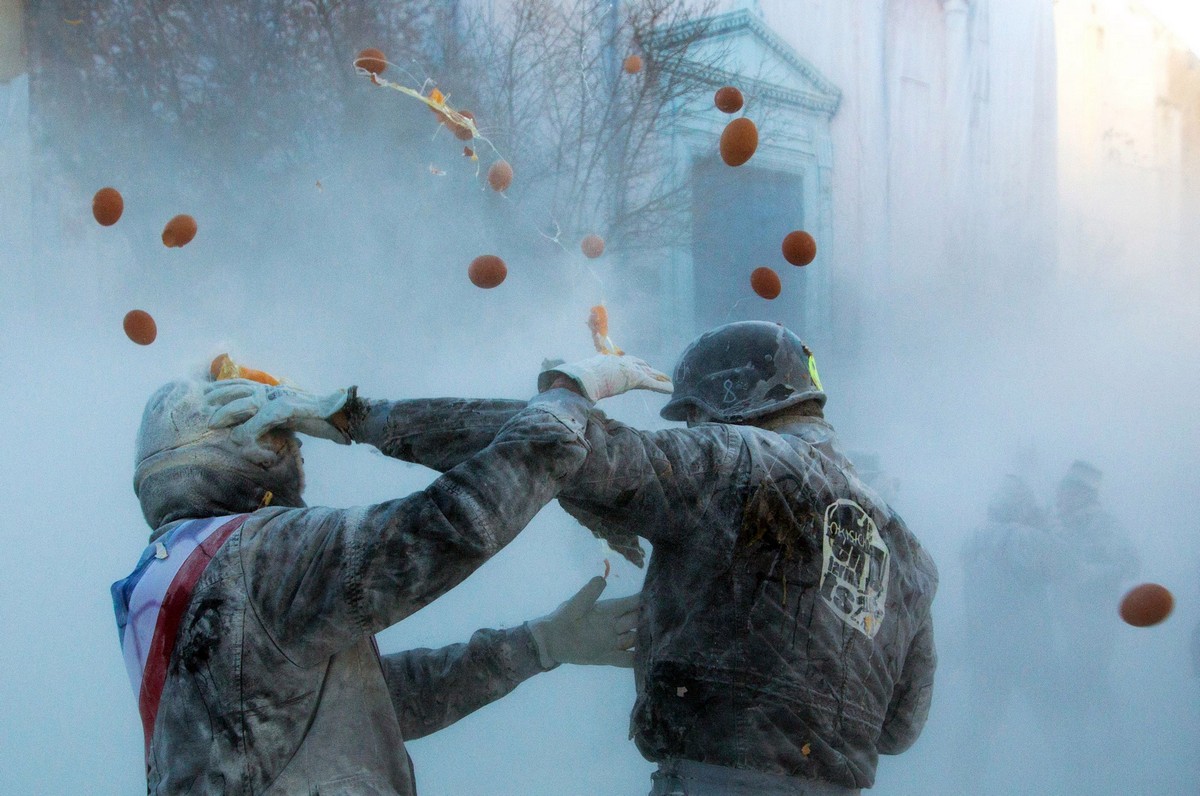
{"points": [[252, 409], [606, 375], [582, 630]]}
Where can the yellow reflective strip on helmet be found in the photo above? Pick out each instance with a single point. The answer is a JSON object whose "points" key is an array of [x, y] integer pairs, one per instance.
{"points": [[812, 371]]}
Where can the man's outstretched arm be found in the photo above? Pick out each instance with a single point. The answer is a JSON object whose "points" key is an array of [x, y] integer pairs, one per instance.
{"points": [[433, 688], [319, 578], [634, 483], [439, 433]]}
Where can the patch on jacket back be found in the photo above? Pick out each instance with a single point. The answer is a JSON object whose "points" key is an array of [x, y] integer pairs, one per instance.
{"points": [[854, 571]]}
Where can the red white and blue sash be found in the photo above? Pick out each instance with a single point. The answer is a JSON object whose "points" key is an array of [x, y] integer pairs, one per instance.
{"points": [[151, 602]]}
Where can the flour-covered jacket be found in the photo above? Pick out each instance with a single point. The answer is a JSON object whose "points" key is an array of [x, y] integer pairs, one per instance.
{"points": [[785, 622], [273, 682]]}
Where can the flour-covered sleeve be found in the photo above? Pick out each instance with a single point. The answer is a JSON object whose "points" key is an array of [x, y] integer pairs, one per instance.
{"points": [[634, 483], [653, 484], [433, 688], [319, 578], [438, 433], [909, 707]]}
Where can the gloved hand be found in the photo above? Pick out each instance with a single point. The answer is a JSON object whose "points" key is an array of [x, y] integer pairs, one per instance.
{"points": [[253, 409], [582, 630], [606, 375]]}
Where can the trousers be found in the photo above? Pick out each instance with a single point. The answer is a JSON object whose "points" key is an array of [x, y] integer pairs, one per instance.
{"points": [[689, 778]]}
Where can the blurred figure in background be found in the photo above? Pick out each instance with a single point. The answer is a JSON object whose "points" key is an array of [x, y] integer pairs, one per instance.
{"points": [[1101, 560], [1009, 563]]}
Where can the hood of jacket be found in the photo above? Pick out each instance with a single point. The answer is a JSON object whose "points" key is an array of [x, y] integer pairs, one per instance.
{"points": [[184, 469]]}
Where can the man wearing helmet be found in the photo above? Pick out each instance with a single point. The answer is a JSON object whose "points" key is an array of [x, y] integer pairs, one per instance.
{"points": [[785, 638], [248, 624]]}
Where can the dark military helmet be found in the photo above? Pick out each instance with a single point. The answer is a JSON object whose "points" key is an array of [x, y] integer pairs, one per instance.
{"points": [[742, 371]]}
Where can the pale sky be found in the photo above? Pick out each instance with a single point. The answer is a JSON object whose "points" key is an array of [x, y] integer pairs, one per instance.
{"points": [[1181, 16]]}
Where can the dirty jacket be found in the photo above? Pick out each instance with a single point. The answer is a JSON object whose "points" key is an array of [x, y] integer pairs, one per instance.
{"points": [[785, 622], [275, 685]]}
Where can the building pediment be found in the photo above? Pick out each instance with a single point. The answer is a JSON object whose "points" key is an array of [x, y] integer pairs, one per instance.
{"points": [[739, 49]]}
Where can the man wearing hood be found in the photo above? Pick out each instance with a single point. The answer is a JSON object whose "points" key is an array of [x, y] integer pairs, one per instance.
{"points": [[785, 638], [248, 624]]}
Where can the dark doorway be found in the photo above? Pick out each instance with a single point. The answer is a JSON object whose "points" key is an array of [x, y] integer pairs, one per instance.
{"points": [[739, 218]]}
